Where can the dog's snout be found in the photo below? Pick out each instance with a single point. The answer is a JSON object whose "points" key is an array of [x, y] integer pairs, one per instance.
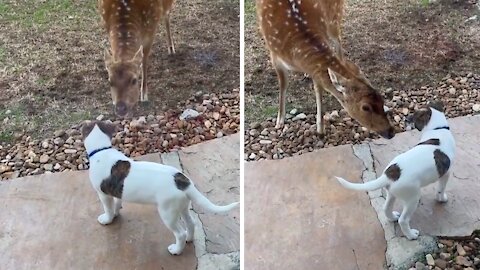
{"points": [[388, 134], [121, 108]]}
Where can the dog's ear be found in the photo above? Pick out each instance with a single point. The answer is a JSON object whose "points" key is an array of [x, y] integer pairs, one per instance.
{"points": [[86, 127], [107, 127], [421, 117], [437, 105]]}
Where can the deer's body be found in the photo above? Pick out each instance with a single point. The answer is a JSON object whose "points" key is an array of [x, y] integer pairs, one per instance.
{"points": [[131, 26], [304, 36]]}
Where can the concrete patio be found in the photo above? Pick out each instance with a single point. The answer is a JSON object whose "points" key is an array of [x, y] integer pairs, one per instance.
{"points": [[50, 221], [297, 216]]}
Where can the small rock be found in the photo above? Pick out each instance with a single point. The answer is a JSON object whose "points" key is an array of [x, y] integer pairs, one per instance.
{"points": [[4, 168], [219, 134], [45, 145], [189, 114], [444, 256], [397, 118], [463, 261], [100, 117], [208, 124], [44, 158], [452, 91], [441, 263], [430, 260], [70, 151], [460, 250], [59, 133], [300, 116], [420, 266], [57, 166], [334, 115], [58, 141], [265, 142], [216, 116], [254, 125], [294, 111], [476, 108], [48, 167], [252, 156], [165, 144]]}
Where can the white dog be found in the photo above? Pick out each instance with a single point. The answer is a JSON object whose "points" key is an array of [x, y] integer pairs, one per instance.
{"points": [[116, 177], [429, 161]]}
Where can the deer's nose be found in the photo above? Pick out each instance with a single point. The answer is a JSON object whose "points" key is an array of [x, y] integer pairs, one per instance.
{"points": [[388, 134], [121, 108]]}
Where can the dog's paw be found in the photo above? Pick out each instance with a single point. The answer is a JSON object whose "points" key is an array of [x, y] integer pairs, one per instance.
{"points": [[394, 217], [105, 219], [442, 197], [174, 249], [413, 234]]}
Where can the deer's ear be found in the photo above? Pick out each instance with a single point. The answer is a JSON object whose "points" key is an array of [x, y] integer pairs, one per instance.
{"points": [[138, 58], [108, 58], [338, 81]]}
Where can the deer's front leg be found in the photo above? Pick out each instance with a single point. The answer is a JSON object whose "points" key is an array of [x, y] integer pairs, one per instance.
{"points": [[319, 100], [282, 83]]}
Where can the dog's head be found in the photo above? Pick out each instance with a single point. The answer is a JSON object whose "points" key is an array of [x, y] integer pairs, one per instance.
{"points": [[425, 114], [106, 127]]}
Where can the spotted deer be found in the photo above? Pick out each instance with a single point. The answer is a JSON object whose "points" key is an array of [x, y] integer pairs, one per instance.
{"points": [[131, 26], [304, 36]]}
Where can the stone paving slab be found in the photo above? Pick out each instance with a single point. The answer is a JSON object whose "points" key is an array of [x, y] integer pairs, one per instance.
{"points": [[460, 216], [216, 173], [49, 222], [298, 217]]}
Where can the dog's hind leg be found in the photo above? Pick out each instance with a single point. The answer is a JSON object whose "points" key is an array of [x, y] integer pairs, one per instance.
{"points": [[190, 224], [442, 184], [388, 207], [107, 202], [117, 205], [171, 218], [409, 208]]}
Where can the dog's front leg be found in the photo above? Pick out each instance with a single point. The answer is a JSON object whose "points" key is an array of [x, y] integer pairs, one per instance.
{"points": [[107, 202], [442, 184], [404, 221]]}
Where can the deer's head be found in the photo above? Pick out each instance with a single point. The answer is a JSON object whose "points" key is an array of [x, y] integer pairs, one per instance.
{"points": [[362, 102], [125, 81]]}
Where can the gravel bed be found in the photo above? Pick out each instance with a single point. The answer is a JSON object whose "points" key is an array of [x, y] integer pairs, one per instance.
{"points": [[219, 115], [453, 255], [461, 95]]}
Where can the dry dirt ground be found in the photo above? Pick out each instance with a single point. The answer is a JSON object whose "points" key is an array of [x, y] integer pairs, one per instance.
{"points": [[52, 73], [401, 45]]}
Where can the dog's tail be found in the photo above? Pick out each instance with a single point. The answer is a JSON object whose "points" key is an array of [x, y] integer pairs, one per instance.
{"points": [[197, 197], [380, 182]]}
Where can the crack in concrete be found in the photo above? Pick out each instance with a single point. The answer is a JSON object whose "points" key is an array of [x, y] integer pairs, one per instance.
{"points": [[400, 252]]}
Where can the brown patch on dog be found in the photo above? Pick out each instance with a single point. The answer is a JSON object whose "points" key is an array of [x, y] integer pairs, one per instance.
{"points": [[181, 181], [437, 105], [421, 118], [430, 142], [393, 172], [106, 127], [113, 185], [442, 162]]}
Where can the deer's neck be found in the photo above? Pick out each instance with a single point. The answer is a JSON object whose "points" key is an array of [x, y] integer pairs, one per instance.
{"points": [[125, 33]]}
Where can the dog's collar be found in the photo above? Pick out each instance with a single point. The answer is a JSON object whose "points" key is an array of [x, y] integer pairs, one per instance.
{"points": [[98, 150], [444, 127]]}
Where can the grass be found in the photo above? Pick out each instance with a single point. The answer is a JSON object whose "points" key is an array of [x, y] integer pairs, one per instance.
{"points": [[17, 119], [45, 14]]}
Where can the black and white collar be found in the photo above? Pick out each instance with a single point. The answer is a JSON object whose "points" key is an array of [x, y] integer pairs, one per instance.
{"points": [[98, 150]]}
